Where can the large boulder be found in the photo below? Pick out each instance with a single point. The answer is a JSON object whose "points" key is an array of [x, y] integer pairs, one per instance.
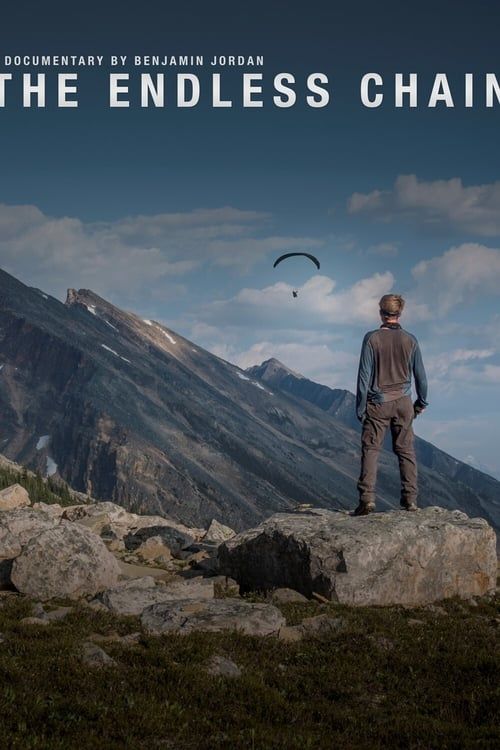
{"points": [[383, 558], [17, 527], [64, 561], [14, 496], [212, 614]]}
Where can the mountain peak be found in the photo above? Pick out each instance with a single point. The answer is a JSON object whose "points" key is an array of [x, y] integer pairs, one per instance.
{"points": [[272, 367], [83, 297]]}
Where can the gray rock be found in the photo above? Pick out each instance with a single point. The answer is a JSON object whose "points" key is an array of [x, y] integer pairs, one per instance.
{"points": [[154, 549], [220, 666], [212, 615], [384, 558], [218, 533], [14, 496], [287, 596], [133, 597], [34, 621], [171, 537], [60, 613], [17, 527], [10, 546], [94, 656], [122, 521], [37, 610], [25, 523], [224, 586], [320, 626], [54, 510], [64, 561]]}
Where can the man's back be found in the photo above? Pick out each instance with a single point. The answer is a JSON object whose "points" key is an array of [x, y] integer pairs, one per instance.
{"points": [[389, 357]]}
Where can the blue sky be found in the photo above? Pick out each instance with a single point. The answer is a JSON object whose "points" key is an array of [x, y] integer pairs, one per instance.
{"points": [[179, 214]]}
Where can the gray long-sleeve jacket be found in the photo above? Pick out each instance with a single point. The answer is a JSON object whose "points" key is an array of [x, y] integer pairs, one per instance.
{"points": [[389, 357]]}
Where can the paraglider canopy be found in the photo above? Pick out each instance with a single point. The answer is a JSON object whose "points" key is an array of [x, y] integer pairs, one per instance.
{"points": [[291, 255]]}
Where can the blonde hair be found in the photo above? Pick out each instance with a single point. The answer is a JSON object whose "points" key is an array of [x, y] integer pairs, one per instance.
{"points": [[391, 305]]}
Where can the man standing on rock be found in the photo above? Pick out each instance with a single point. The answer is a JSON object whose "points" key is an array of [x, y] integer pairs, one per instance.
{"points": [[389, 357]]}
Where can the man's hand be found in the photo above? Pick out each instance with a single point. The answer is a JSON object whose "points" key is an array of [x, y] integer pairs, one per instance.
{"points": [[417, 409]]}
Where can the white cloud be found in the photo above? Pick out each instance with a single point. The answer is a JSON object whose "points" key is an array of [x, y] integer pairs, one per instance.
{"points": [[441, 365], [475, 208], [461, 275], [130, 255], [318, 302]]}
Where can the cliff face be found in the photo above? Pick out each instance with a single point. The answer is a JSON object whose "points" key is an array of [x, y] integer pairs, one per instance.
{"points": [[127, 410]]}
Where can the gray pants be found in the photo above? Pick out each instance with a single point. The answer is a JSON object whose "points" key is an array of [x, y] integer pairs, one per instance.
{"points": [[398, 415]]}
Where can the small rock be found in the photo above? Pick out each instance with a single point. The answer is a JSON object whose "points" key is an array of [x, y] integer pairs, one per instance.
{"points": [[96, 605], [220, 666], [154, 549], [472, 602], [437, 610], [133, 597], [2, 638], [171, 537], [14, 496], [322, 625], [212, 615], [37, 610], [224, 586], [287, 596], [58, 614], [291, 633], [413, 621], [218, 533], [34, 621], [131, 639], [94, 656]]}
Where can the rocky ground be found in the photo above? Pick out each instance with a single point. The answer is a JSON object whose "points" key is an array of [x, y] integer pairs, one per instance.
{"points": [[119, 630]]}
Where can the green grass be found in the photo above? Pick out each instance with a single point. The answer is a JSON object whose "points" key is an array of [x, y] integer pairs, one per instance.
{"points": [[381, 683]]}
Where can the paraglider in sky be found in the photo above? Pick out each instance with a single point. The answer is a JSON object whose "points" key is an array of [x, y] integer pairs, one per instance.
{"points": [[295, 292], [291, 255]]}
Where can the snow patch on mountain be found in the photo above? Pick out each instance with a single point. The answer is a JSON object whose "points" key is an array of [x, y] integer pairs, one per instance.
{"points": [[169, 337], [51, 467], [109, 349], [91, 309], [43, 442], [252, 382]]}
